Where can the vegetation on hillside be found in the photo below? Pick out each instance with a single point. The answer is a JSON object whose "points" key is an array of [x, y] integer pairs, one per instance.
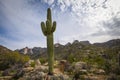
{"points": [[9, 58]]}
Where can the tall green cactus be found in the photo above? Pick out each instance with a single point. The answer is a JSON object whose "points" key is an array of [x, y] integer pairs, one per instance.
{"points": [[119, 58], [48, 28]]}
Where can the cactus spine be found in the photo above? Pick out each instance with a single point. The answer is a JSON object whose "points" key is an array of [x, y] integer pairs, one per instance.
{"points": [[48, 28]]}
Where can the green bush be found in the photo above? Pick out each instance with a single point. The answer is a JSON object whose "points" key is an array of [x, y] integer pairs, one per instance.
{"points": [[23, 59], [0, 73], [13, 71], [79, 75], [71, 58], [32, 64], [42, 60], [118, 77], [8, 59]]}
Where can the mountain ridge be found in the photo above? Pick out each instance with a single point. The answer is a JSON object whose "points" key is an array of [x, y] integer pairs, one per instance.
{"points": [[69, 48], [86, 42]]}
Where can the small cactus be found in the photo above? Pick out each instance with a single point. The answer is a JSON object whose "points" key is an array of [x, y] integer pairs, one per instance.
{"points": [[48, 28]]}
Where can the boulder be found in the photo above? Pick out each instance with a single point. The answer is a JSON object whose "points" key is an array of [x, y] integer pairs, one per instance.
{"points": [[97, 71], [36, 75], [39, 75], [78, 74], [37, 62], [28, 64], [62, 65], [6, 73], [19, 74], [100, 72], [57, 77], [28, 69], [45, 64], [42, 69], [80, 65]]}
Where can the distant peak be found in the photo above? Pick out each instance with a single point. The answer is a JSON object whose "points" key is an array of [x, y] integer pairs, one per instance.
{"points": [[85, 42]]}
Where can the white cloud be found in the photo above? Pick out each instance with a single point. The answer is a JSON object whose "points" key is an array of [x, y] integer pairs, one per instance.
{"points": [[88, 15], [23, 25], [76, 19], [50, 2]]}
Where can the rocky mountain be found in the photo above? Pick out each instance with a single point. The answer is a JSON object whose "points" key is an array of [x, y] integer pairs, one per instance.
{"points": [[85, 42], [35, 50], [4, 50], [73, 49], [60, 49], [109, 44], [39, 50]]}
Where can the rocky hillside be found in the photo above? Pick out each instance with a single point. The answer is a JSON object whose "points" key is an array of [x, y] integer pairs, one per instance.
{"points": [[82, 60], [109, 44], [4, 50], [75, 49]]}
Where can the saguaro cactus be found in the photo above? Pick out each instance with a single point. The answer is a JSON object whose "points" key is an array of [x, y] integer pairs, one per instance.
{"points": [[48, 28], [119, 58]]}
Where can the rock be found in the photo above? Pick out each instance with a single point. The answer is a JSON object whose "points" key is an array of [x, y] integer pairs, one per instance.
{"points": [[112, 77], [28, 69], [62, 65], [46, 64], [6, 78], [83, 71], [80, 65], [6, 73], [57, 77], [28, 64], [97, 71], [100, 72], [40, 75], [34, 76], [19, 74], [37, 62], [77, 75], [42, 68]]}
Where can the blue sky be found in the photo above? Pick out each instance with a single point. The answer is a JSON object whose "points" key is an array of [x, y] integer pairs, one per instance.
{"points": [[93, 20]]}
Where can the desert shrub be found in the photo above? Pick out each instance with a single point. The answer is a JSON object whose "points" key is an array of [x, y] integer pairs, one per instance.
{"points": [[71, 58], [19, 73], [115, 69], [32, 64], [99, 61], [0, 73], [4, 65], [118, 77], [107, 67], [79, 75], [8, 59], [23, 59], [112, 77], [42, 60]]}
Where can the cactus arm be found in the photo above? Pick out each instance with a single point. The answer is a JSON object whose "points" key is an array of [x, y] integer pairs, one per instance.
{"points": [[53, 27], [43, 28]]}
